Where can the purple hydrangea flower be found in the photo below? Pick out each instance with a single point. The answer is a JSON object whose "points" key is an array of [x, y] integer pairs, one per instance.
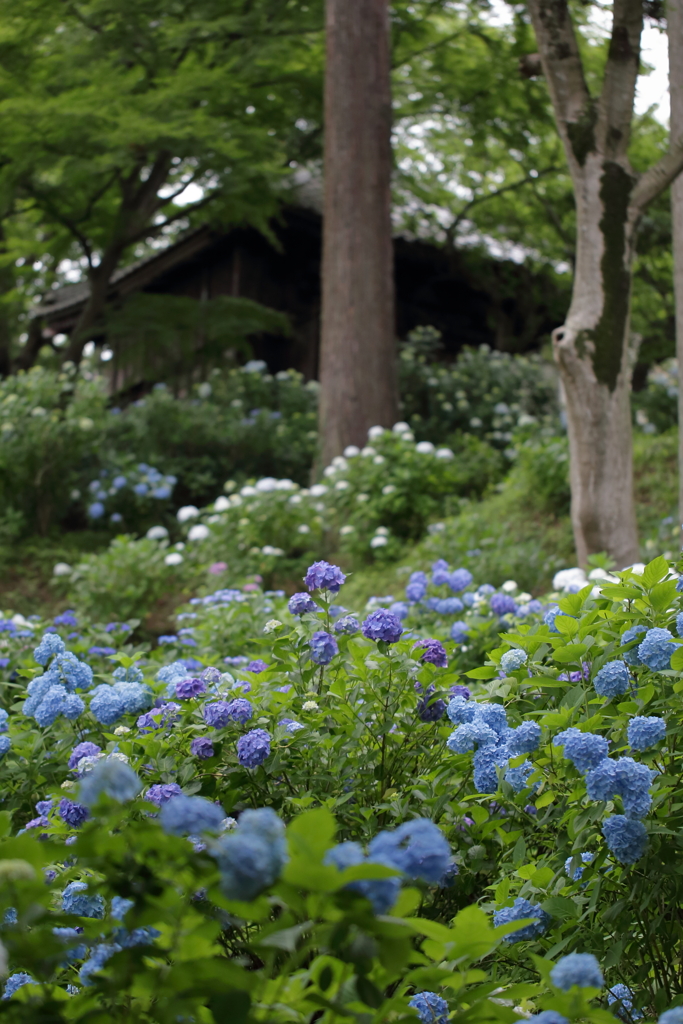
{"points": [[415, 591], [85, 749], [429, 710], [258, 665], [300, 604], [433, 652], [186, 689], [460, 691], [202, 747], [347, 624], [502, 604], [161, 792], [323, 647], [440, 572], [459, 632], [253, 748], [382, 625], [158, 718], [72, 813], [323, 576], [460, 579]]}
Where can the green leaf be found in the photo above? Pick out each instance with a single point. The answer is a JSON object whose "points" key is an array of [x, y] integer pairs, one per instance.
{"points": [[368, 992], [662, 595], [485, 672], [572, 652], [677, 659], [566, 625], [655, 571], [560, 907]]}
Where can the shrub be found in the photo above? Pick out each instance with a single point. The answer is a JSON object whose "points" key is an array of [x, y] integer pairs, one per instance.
{"points": [[543, 796]]}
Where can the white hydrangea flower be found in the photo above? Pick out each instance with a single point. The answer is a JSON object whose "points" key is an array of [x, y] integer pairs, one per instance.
{"points": [[174, 558], [400, 427], [268, 549], [388, 489], [62, 569], [266, 484], [379, 460], [424, 447], [317, 490], [272, 625], [368, 451], [310, 705], [157, 533], [187, 512], [221, 504], [509, 586], [199, 532], [378, 541], [346, 530], [303, 528], [351, 451], [342, 485], [444, 453], [375, 432], [248, 491]]}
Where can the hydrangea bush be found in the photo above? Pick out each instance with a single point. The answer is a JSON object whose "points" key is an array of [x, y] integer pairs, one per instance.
{"points": [[294, 810]]}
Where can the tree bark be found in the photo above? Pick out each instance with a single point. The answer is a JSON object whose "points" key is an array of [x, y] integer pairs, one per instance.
{"points": [[592, 348], [357, 353], [674, 18], [91, 314]]}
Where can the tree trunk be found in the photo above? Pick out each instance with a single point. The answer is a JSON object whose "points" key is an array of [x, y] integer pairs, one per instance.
{"points": [[357, 352], [593, 352], [674, 17], [91, 314]]}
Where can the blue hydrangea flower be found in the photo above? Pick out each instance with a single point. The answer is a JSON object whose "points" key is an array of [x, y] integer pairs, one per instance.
{"points": [[4, 720], [74, 901], [190, 815], [418, 848], [98, 958], [323, 576], [159, 718], [612, 680], [382, 893], [627, 839], [655, 650], [433, 651], [5, 744], [401, 609], [202, 747], [161, 792], [348, 624], [675, 1015], [631, 657], [471, 736], [440, 572], [448, 606], [502, 604], [645, 732], [301, 604], [55, 701], [459, 580], [72, 813], [50, 645], [251, 856], [382, 625], [486, 760], [520, 909], [525, 738], [679, 624], [106, 704], [415, 592], [495, 716], [113, 777], [519, 777], [323, 646], [580, 969], [623, 996], [85, 749], [15, 982], [586, 857], [550, 616], [513, 660], [625, 778], [431, 1008], [219, 713], [257, 665], [584, 749], [120, 907], [172, 673], [460, 632], [253, 748], [461, 709]]}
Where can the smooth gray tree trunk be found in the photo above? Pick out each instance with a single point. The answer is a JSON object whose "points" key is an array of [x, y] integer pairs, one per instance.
{"points": [[674, 17], [592, 348], [357, 349]]}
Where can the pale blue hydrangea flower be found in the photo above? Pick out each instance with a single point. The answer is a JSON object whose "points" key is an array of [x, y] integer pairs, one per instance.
{"points": [[578, 871], [251, 856], [631, 657], [520, 909], [418, 848], [190, 815], [381, 892], [625, 778], [622, 996], [111, 776], [513, 660], [461, 710], [460, 632], [486, 760], [584, 749], [612, 680], [627, 839], [459, 580], [645, 732], [525, 738], [580, 969], [5, 744], [431, 1008], [348, 624], [675, 1014], [655, 650], [99, 956], [15, 982], [75, 901], [50, 645], [519, 777], [471, 736]]}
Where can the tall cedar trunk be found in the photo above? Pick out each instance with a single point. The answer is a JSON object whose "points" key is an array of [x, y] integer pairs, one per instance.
{"points": [[357, 352], [674, 17], [592, 348]]}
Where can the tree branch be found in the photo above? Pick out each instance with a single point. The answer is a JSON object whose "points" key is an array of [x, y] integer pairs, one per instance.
{"points": [[615, 108], [655, 180], [563, 70], [497, 192]]}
